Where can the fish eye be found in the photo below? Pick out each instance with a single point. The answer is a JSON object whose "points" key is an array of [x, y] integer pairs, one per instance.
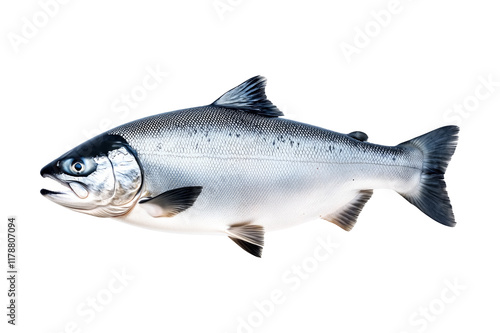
{"points": [[78, 166]]}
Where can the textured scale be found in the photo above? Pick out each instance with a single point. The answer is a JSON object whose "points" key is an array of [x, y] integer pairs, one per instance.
{"points": [[260, 167]]}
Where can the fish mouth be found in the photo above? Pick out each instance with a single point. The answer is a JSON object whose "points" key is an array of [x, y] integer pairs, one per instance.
{"points": [[73, 188], [48, 192]]}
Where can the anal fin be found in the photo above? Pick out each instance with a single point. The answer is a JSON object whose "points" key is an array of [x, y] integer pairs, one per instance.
{"points": [[249, 237], [347, 216]]}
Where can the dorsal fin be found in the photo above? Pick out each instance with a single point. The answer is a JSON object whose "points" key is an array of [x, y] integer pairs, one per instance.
{"points": [[250, 96], [358, 135]]}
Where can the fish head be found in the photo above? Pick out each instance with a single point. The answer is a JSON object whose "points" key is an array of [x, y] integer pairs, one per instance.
{"points": [[101, 177]]}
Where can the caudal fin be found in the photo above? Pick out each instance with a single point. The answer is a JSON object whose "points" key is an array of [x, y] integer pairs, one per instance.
{"points": [[430, 195]]}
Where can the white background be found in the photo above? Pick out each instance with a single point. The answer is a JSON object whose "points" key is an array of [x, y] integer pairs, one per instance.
{"points": [[61, 83]]}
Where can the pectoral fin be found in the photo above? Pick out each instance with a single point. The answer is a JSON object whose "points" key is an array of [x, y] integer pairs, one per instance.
{"points": [[346, 216], [248, 236], [172, 202]]}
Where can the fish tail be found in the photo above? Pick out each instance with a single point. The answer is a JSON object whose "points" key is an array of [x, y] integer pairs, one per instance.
{"points": [[430, 195]]}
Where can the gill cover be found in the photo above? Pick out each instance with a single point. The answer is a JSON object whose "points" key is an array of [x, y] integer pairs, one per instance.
{"points": [[103, 177]]}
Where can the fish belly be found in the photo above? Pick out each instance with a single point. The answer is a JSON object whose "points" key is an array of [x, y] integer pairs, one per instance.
{"points": [[273, 193]]}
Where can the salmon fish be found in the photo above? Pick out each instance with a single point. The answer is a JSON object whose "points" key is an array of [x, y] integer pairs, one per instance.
{"points": [[237, 168]]}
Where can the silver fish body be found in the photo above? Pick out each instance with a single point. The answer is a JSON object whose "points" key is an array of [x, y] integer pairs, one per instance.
{"points": [[234, 167], [271, 171]]}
